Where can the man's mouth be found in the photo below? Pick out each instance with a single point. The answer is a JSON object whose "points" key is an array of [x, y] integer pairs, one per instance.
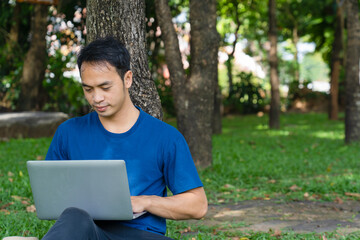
{"points": [[100, 108]]}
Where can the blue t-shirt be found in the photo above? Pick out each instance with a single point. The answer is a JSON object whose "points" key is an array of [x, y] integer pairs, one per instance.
{"points": [[156, 156]]}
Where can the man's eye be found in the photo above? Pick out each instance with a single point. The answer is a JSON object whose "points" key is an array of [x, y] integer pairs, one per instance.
{"points": [[87, 89], [106, 88]]}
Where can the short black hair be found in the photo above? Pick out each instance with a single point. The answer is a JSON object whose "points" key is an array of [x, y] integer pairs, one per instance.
{"points": [[106, 50]]}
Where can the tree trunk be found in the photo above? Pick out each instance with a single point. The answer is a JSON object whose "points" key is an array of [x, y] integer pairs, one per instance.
{"points": [[296, 58], [194, 97], [216, 122], [35, 62], [228, 64], [352, 86], [15, 25], [125, 20], [203, 69], [274, 119], [336, 64]]}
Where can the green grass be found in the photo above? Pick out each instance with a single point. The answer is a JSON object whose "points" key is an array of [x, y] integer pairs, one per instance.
{"points": [[307, 156]]}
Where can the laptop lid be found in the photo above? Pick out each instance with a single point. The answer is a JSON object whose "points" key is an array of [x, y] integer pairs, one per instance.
{"points": [[99, 187]]}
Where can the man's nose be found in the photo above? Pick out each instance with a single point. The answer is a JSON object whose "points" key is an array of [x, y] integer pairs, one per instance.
{"points": [[98, 97]]}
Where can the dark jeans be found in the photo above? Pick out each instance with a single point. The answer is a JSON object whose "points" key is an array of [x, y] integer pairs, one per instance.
{"points": [[76, 224]]}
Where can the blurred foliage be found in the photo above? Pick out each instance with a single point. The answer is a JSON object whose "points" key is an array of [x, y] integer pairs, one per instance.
{"points": [[244, 22], [166, 97], [65, 94], [248, 95], [13, 53], [64, 38]]}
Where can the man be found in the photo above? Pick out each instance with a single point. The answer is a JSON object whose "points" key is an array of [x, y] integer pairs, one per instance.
{"points": [[155, 153]]}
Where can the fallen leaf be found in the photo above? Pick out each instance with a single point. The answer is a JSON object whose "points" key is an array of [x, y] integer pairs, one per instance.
{"points": [[241, 190], [316, 196], [277, 233], [10, 174], [188, 229], [272, 181], [228, 186], [16, 198], [31, 208], [306, 195], [11, 180], [352, 194], [338, 200], [6, 205], [314, 145], [324, 237], [39, 157], [295, 188], [5, 211], [21, 174]]}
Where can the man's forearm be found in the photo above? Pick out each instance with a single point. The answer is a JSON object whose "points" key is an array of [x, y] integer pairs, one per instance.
{"points": [[187, 205]]}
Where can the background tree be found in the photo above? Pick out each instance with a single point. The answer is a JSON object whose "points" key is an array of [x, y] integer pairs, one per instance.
{"points": [[35, 62], [125, 20], [352, 86], [230, 10], [274, 118], [14, 31], [336, 61], [326, 30], [193, 94]]}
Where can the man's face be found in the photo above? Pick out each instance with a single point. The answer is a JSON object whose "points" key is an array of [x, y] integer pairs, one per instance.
{"points": [[105, 91]]}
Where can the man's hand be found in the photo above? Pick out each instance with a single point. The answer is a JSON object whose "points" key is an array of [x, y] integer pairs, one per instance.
{"points": [[140, 203], [186, 205]]}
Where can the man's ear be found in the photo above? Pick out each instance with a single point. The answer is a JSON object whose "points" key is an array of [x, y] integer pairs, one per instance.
{"points": [[128, 79]]}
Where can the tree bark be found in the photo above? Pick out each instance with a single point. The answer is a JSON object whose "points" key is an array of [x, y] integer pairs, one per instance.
{"points": [[274, 118], [296, 58], [125, 20], [352, 86], [336, 64], [216, 122], [194, 96], [35, 62], [15, 25], [228, 64]]}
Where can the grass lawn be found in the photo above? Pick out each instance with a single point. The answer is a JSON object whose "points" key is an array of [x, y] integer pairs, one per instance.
{"points": [[305, 159]]}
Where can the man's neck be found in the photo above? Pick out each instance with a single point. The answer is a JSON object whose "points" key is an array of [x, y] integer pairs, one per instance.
{"points": [[123, 121]]}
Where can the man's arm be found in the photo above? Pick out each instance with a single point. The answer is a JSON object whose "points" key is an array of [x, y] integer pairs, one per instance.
{"points": [[186, 205]]}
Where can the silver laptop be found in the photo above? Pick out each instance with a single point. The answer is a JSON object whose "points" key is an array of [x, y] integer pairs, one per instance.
{"points": [[99, 187]]}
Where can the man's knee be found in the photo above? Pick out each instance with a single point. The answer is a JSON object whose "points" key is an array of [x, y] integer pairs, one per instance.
{"points": [[76, 218], [73, 223]]}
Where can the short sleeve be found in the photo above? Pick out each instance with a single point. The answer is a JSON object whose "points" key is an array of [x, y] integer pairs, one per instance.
{"points": [[179, 169], [56, 149]]}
